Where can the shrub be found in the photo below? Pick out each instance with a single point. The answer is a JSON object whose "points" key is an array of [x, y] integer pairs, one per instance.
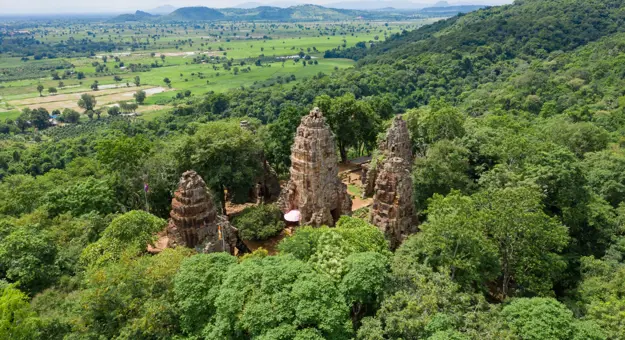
{"points": [[259, 223]]}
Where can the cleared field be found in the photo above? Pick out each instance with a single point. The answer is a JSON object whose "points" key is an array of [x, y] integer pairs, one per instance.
{"points": [[212, 57], [182, 76], [103, 97]]}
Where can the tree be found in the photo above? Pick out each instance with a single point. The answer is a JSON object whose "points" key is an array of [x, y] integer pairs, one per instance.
{"points": [[353, 122], [278, 138], [259, 223], [216, 104], [445, 167], [163, 58], [225, 155], [304, 304], [546, 318], [351, 235], [117, 79], [80, 75], [197, 285], [527, 239], [364, 282], [94, 86], [439, 121], [87, 102], [168, 82], [52, 90], [605, 173], [137, 81], [601, 289], [80, 198], [17, 319], [453, 239], [28, 257], [23, 121], [113, 111], [40, 118], [119, 153], [127, 235], [421, 302], [132, 107], [70, 116], [140, 96], [40, 89], [130, 299], [61, 84]]}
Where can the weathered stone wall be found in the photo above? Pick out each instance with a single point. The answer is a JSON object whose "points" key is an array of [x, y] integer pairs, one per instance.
{"points": [[314, 187], [194, 221]]}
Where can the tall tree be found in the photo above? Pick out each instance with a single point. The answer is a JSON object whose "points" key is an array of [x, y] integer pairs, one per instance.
{"points": [[87, 102], [225, 155], [140, 96], [353, 122]]}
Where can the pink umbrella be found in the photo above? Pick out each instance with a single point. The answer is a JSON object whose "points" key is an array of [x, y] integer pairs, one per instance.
{"points": [[293, 216]]}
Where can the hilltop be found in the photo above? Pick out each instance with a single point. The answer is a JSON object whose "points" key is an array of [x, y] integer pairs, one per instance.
{"points": [[194, 14], [137, 16]]}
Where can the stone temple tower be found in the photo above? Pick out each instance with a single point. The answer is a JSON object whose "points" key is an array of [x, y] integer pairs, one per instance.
{"points": [[393, 210], [194, 221], [314, 187], [396, 143]]}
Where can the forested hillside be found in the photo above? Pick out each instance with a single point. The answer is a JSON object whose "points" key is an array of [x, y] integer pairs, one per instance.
{"points": [[517, 121]]}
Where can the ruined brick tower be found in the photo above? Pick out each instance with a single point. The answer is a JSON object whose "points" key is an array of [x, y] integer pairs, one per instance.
{"points": [[395, 144], [314, 187], [194, 221], [393, 210]]}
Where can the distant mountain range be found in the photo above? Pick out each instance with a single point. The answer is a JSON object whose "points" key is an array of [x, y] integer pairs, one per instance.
{"points": [[376, 5], [449, 10], [293, 13]]}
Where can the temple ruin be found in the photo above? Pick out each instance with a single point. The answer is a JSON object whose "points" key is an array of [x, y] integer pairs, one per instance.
{"points": [[194, 221], [314, 187], [396, 143], [393, 210]]}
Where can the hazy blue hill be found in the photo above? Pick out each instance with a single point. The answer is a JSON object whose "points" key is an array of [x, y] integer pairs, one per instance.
{"points": [[162, 10], [296, 13], [447, 11], [138, 16], [194, 14]]}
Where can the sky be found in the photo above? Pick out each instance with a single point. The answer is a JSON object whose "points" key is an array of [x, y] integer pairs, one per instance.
{"points": [[118, 6]]}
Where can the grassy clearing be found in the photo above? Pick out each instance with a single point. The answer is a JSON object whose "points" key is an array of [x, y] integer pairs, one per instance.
{"points": [[9, 114]]}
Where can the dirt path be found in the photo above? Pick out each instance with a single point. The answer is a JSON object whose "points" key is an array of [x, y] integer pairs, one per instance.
{"points": [[351, 177]]}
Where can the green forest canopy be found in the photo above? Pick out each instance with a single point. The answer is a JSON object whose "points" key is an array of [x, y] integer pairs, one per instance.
{"points": [[517, 116]]}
